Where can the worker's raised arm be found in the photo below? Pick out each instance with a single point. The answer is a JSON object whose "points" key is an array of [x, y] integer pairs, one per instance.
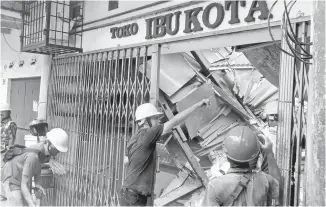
{"points": [[273, 168], [180, 117]]}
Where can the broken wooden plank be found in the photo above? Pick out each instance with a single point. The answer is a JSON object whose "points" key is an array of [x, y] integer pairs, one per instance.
{"points": [[179, 187], [184, 146], [234, 104]]}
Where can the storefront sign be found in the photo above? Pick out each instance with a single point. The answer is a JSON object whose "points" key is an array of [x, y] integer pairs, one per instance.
{"points": [[125, 31], [159, 26]]}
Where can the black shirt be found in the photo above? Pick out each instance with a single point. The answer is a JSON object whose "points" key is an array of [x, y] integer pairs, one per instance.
{"points": [[141, 167]]}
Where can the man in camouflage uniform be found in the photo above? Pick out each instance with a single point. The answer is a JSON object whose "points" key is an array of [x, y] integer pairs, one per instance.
{"points": [[8, 134]]}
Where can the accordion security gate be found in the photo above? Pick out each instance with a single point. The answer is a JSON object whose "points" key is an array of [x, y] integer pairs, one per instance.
{"points": [[93, 97], [292, 132]]}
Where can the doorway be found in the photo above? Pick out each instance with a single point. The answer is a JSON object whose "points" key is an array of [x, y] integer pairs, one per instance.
{"points": [[22, 94]]}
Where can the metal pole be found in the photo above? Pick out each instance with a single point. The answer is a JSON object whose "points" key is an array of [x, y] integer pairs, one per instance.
{"points": [[155, 75], [315, 187], [43, 96], [154, 98]]}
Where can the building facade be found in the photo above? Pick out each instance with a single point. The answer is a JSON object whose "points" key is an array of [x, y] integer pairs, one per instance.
{"points": [[126, 48]]}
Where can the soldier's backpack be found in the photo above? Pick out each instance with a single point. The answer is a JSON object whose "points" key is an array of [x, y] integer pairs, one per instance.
{"points": [[16, 150]]}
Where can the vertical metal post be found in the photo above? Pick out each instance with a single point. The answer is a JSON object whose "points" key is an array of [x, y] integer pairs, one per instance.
{"points": [[22, 35], [47, 18], [285, 107], [155, 74], [154, 96], [315, 187], [45, 74]]}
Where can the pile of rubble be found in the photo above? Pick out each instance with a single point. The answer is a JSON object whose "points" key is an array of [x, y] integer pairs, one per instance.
{"points": [[239, 94]]}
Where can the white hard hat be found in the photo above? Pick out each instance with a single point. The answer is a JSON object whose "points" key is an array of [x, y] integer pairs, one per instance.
{"points": [[59, 138], [146, 110], [4, 107], [271, 107]]}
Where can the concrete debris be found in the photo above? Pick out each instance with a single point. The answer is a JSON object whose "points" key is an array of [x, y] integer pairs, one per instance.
{"points": [[239, 97]]}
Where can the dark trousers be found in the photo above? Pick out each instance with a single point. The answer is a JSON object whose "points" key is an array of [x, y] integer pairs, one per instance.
{"points": [[129, 197]]}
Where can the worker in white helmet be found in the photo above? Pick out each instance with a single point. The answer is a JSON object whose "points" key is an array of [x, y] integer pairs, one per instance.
{"points": [[22, 164], [8, 134], [271, 112], [138, 183]]}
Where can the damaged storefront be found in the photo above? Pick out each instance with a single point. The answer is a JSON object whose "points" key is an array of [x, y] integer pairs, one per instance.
{"points": [[229, 51]]}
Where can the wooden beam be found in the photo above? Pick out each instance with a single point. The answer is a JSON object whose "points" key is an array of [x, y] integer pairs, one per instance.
{"points": [[203, 62], [9, 18], [5, 30], [10, 24], [184, 145]]}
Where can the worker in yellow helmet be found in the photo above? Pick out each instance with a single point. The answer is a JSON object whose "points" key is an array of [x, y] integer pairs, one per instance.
{"points": [[138, 184], [22, 164], [242, 185]]}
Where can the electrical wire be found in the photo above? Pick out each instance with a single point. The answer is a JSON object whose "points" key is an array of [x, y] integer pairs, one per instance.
{"points": [[288, 17], [290, 38], [12, 48], [8, 43], [270, 32], [300, 56], [294, 40]]}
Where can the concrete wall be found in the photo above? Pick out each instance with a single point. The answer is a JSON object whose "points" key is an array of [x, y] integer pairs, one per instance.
{"points": [[10, 52]]}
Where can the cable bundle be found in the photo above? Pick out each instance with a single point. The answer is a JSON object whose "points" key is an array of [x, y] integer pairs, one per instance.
{"points": [[290, 36]]}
